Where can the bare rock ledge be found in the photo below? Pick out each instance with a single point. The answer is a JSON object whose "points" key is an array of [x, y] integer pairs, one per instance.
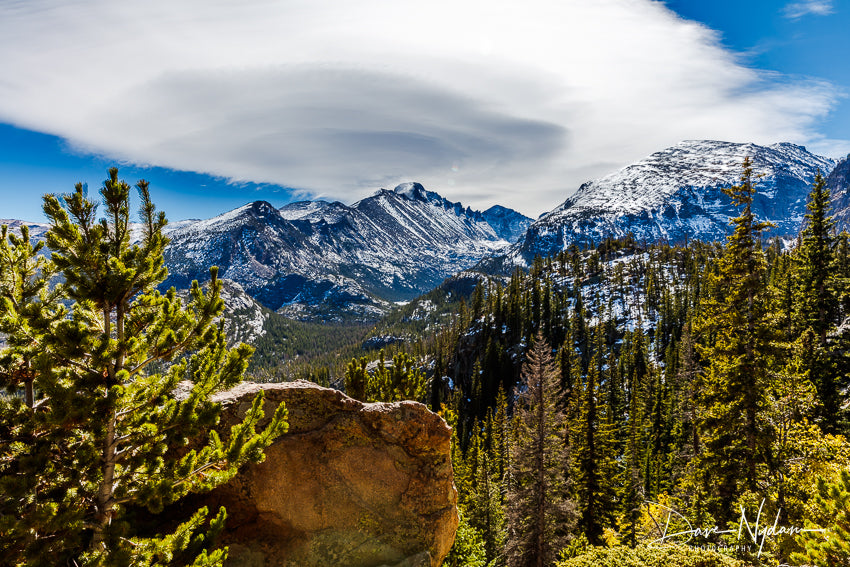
{"points": [[351, 484]]}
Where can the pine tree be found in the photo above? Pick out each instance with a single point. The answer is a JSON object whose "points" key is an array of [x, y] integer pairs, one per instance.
{"points": [[632, 491], [106, 391], [486, 508], [831, 545], [737, 336], [539, 510], [27, 298], [816, 303], [402, 380], [32, 504], [592, 452]]}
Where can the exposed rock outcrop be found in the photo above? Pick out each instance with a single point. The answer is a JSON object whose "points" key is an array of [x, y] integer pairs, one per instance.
{"points": [[351, 484]]}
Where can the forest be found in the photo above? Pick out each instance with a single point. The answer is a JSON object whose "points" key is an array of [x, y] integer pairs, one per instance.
{"points": [[611, 388], [623, 403]]}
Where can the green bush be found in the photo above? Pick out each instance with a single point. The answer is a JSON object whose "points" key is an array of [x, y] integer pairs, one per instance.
{"points": [[665, 556]]}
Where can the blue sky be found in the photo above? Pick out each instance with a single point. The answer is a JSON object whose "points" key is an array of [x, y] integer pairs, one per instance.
{"points": [[219, 103]]}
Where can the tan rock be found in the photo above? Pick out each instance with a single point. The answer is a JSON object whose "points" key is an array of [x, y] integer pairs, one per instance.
{"points": [[351, 484]]}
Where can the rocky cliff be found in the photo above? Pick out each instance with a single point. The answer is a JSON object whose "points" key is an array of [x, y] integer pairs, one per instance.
{"points": [[351, 484]]}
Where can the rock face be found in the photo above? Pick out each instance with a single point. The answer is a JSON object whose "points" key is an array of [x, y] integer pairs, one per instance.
{"points": [[351, 484], [838, 183]]}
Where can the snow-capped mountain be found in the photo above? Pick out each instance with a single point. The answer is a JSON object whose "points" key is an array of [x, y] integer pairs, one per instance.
{"points": [[317, 259], [676, 194], [37, 230], [838, 183], [508, 224]]}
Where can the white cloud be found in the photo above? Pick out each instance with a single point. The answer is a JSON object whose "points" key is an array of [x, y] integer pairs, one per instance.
{"points": [[485, 101], [796, 10]]}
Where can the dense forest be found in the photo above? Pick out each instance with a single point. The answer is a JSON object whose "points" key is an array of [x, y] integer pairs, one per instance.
{"points": [[607, 386], [623, 403]]}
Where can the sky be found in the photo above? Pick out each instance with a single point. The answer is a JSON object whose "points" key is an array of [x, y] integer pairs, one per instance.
{"points": [[219, 103]]}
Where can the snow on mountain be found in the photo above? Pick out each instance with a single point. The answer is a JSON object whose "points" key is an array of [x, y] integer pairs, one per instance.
{"points": [[508, 224], [37, 230], [301, 209], [316, 259], [838, 183], [676, 194]]}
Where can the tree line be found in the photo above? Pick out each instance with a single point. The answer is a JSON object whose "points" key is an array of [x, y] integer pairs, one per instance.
{"points": [[709, 378]]}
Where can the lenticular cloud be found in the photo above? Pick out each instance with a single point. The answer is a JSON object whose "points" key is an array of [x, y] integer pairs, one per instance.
{"points": [[486, 102]]}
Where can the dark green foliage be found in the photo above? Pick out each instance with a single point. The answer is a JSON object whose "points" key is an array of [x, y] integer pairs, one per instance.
{"points": [[736, 335], [290, 349], [816, 302], [539, 509], [110, 430], [816, 305], [592, 452]]}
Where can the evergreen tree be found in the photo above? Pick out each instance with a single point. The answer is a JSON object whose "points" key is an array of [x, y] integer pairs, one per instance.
{"points": [[592, 452], [486, 508], [468, 549], [737, 336], [402, 380], [538, 507], [816, 303], [831, 544], [105, 395], [816, 300], [632, 490], [31, 504], [27, 298]]}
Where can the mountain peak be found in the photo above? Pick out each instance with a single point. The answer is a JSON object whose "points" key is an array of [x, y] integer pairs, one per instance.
{"points": [[412, 190], [262, 208]]}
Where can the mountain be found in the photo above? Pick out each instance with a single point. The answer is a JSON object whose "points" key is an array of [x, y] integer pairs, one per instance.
{"points": [[37, 230], [508, 224], [328, 260], [676, 194], [838, 183]]}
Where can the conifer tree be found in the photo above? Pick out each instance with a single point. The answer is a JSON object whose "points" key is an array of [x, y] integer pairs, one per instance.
{"points": [[486, 507], [592, 452], [632, 490], [105, 392], [31, 504], [830, 545], [737, 336], [539, 510], [27, 298], [816, 301], [841, 273], [403, 380]]}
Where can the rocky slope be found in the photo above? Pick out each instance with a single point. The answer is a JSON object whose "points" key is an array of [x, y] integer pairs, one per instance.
{"points": [[838, 183], [676, 194], [350, 484], [315, 259]]}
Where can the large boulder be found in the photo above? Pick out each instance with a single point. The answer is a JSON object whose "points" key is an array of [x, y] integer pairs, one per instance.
{"points": [[350, 484]]}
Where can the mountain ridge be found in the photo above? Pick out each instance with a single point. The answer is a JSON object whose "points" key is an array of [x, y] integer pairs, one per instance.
{"points": [[676, 194], [313, 259]]}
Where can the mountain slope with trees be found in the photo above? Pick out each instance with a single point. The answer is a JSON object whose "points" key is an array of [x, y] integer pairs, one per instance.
{"points": [[677, 195]]}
